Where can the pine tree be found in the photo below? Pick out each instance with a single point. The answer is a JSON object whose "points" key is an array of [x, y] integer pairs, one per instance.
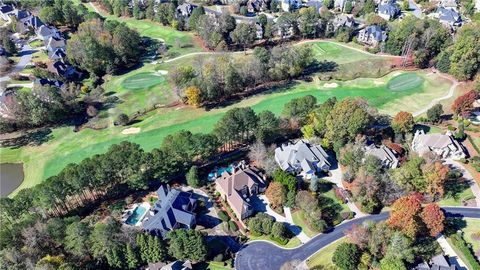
{"points": [[192, 177], [142, 244], [131, 257]]}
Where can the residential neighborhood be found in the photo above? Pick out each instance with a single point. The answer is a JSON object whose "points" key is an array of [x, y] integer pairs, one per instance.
{"points": [[255, 134]]}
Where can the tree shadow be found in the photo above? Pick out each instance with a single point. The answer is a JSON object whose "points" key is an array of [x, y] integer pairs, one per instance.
{"points": [[33, 138]]}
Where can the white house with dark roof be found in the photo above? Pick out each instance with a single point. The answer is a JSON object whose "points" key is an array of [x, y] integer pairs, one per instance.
{"points": [[54, 43], [6, 11], [443, 145], [372, 35], [289, 5], [45, 32], [302, 158], [174, 209], [387, 156]]}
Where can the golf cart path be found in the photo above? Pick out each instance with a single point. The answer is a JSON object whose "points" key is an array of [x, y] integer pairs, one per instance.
{"points": [[450, 93]]}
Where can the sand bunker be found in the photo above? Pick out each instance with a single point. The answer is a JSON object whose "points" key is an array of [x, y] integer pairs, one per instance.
{"points": [[330, 85], [161, 72], [396, 73], [132, 130], [377, 82]]}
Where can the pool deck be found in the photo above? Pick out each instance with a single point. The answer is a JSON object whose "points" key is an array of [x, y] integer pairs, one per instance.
{"points": [[146, 205]]}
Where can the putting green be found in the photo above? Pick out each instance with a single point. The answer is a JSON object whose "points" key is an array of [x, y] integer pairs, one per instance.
{"points": [[405, 82], [142, 80]]}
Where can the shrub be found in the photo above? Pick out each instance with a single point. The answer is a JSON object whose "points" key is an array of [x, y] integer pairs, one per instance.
{"points": [[122, 120], [347, 215], [340, 195], [223, 216], [232, 225], [346, 256]]}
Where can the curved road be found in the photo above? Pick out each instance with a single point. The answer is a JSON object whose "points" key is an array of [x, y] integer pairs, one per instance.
{"points": [[264, 255]]}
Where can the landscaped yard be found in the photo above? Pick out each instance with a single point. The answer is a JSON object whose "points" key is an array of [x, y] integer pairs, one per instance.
{"points": [[294, 242], [324, 256], [466, 194], [299, 220], [473, 226], [65, 146]]}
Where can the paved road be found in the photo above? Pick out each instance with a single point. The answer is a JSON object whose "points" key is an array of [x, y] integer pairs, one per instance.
{"points": [[264, 255]]}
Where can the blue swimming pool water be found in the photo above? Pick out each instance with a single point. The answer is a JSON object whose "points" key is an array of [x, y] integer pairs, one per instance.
{"points": [[219, 171], [136, 215]]}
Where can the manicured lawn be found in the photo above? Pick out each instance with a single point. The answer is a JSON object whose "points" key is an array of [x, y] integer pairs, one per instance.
{"points": [[36, 43], [324, 256], [299, 220], [473, 226], [457, 199], [405, 82], [217, 266], [294, 242]]}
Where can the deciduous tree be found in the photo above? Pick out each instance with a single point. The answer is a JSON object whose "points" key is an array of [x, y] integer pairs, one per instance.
{"points": [[434, 218]]}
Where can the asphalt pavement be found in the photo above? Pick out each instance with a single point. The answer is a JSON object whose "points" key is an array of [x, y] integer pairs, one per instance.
{"points": [[264, 255]]}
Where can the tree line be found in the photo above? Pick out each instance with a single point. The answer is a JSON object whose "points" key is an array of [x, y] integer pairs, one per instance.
{"points": [[210, 81]]}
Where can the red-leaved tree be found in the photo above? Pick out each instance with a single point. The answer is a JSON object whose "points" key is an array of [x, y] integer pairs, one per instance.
{"points": [[433, 218], [464, 103], [405, 215]]}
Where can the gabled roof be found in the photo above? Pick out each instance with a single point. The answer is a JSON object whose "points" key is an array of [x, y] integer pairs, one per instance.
{"points": [[172, 207], [21, 14], [6, 9], [301, 154], [385, 154], [448, 15], [316, 4], [390, 9], [53, 43], [45, 30], [376, 31], [233, 185], [58, 53]]}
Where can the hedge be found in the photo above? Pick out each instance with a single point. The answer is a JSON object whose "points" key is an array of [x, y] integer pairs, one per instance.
{"points": [[232, 225], [223, 216], [460, 243]]}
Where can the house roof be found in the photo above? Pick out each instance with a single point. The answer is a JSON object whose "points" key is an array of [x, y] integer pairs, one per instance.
{"points": [[438, 262], [21, 14], [435, 140], [172, 207], [45, 30], [44, 81], [390, 9], [178, 265], [376, 31], [234, 183], [448, 15], [185, 9], [6, 9], [32, 21], [58, 53], [385, 154], [54, 43], [301, 154], [343, 20], [316, 4]]}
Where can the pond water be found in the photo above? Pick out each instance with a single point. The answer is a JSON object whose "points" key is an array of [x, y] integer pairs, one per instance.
{"points": [[11, 176]]}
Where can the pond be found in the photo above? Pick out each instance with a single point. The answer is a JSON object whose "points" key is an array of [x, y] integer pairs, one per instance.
{"points": [[11, 176]]}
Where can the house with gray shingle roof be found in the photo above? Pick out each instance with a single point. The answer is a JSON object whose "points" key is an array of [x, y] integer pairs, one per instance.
{"points": [[389, 10], [54, 43], [237, 189], [448, 17], [443, 145], [302, 158], [387, 156], [343, 20], [372, 35], [317, 5], [174, 209], [45, 32], [438, 262], [184, 10]]}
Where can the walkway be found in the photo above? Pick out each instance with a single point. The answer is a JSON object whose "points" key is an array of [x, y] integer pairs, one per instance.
{"points": [[466, 174], [452, 255], [263, 205], [336, 178], [252, 255]]}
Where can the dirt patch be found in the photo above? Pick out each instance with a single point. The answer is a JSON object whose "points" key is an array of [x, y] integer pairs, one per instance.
{"points": [[132, 130], [330, 85]]}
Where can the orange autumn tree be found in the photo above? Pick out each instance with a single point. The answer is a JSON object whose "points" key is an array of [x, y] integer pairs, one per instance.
{"points": [[403, 122], [193, 96], [412, 219], [433, 218], [405, 215], [464, 103], [436, 175], [276, 194]]}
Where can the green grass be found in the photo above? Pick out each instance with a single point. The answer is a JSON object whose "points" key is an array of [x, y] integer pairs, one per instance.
{"points": [[217, 266], [142, 80], [64, 146], [405, 82], [473, 226], [324, 256], [460, 247], [457, 200], [293, 243], [299, 220], [178, 42]]}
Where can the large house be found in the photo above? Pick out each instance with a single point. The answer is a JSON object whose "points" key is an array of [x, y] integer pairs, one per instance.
{"points": [[303, 158], [443, 145], [387, 156], [372, 35], [317, 5], [45, 32], [256, 5], [343, 20], [6, 11], [388, 11], [174, 209], [237, 189], [184, 10], [438, 262], [289, 5], [448, 17]]}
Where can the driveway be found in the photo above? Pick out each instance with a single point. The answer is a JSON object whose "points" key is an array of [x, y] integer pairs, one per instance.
{"points": [[264, 255], [25, 58], [452, 255], [261, 204]]}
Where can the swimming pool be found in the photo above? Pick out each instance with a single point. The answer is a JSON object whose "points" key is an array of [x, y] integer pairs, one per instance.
{"points": [[137, 215], [219, 171]]}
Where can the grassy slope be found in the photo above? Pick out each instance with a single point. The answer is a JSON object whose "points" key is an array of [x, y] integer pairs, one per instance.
{"points": [[473, 226], [324, 256], [294, 242], [66, 147], [299, 220]]}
